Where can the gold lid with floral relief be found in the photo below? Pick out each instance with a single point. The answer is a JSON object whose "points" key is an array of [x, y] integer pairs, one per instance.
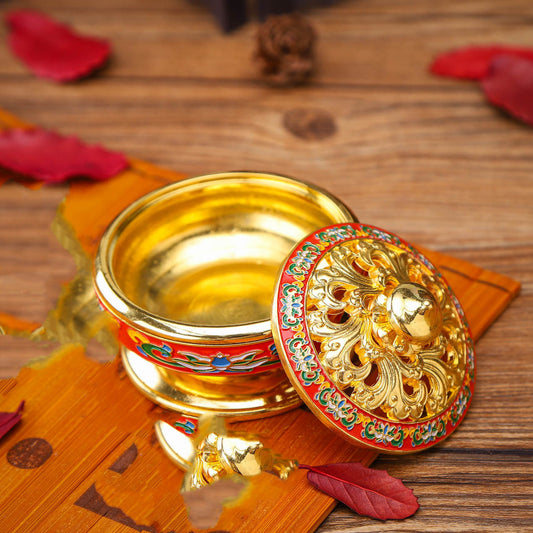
{"points": [[373, 339]]}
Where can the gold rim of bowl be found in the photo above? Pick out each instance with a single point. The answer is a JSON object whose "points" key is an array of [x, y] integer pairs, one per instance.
{"points": [[122, 307]]}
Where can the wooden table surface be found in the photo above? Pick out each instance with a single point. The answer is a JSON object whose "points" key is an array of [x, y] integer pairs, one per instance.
{"points": [[422, 156]]}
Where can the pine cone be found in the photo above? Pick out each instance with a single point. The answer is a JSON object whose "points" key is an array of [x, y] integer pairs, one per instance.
{"points": [[285, 46]]}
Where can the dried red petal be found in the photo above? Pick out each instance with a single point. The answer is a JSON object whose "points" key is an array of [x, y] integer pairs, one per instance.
{"points": [[52, 50], [509, 85], [472, 63], [367, 491], [47, 156], [9, 420]]}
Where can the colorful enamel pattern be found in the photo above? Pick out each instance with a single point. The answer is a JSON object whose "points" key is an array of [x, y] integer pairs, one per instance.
{"points": [[252, 358], [373, 339], [188, 272]]}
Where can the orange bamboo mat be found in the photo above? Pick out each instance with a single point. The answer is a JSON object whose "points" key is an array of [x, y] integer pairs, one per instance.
{"points": [[85, 458]]}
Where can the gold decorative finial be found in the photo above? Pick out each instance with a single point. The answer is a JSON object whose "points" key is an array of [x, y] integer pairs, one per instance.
{"points": [[414, 312], [214, 453], [219, 456]]}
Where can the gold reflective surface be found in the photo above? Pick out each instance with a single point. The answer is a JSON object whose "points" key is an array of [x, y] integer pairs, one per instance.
{"points": [[386, 331], [219, 456], [180, 448], [197, 262], [414, 312], [239, 397], [215, 453], [204, 252]]}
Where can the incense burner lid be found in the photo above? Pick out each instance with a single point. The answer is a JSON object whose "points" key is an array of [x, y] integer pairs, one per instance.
{"points": [[373, 338]]}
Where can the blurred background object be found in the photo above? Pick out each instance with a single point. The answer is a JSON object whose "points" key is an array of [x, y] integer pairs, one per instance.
{"points": [[285, 49], [230, 14]]}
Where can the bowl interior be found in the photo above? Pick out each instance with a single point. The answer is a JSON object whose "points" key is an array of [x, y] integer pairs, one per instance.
{"points": [[207, 251]]}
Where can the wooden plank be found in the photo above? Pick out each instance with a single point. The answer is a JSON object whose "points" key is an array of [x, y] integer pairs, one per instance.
{"points": [[405, 141], [425, 157]]}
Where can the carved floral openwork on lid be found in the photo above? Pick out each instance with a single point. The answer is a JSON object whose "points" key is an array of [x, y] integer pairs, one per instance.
{"points": [[389, 335], [373, 339]]}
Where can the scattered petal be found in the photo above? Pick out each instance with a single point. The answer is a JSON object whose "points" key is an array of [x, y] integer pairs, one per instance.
{"points": [[52, 50], [509, 85], [9, 420], [367, 491], [48, 156], [472, 63]]}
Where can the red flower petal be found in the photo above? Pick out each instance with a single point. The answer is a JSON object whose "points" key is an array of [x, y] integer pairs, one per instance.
{"points": [[509, 84], [47, 156], [472, 63], [9, 420], [367, 491], [52, 50]]}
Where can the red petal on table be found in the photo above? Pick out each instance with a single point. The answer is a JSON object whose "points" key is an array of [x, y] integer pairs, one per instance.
{"points": [[367, 491], [47, 156], [509, 84], [9, 420], [52, 50], [472, 63]]}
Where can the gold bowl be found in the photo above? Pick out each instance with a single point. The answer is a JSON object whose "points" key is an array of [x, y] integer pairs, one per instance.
{"points": [[189, 271]]}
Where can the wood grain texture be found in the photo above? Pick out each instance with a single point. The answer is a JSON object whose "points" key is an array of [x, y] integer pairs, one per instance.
{"points": [[422, 156], [75, 395]]}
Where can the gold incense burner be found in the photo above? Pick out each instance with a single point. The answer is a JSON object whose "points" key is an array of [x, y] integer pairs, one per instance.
{"points": [[374, 340], [189, 272], [226, 285]]}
